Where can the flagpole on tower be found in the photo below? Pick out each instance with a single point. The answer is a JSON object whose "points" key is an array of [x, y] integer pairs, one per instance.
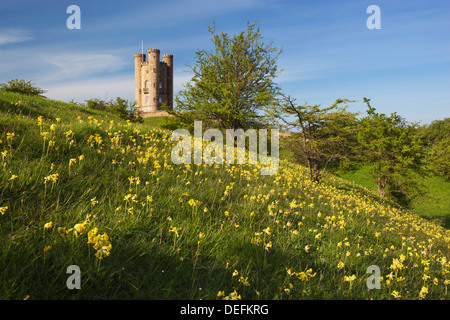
{"points": [[142, 50]]}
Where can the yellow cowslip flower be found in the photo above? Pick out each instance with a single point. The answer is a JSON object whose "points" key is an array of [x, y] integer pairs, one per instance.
{"points": [[174, 230], [79, 228], [12, 177], [302, 276], [423, 292], [72, 161], [94, 201], [307, 248], [435, 281], [103, 252], [235, 273], [81, 157], [267, 246], [244, 281], [194, 203], [10, 135], [340, 265], [63, 230], [233, 296], [101, 240], [53, 127], [309, 272], [48, 225], [127, 197], [92, 236], [46, 135], [47, 248], [396, 264], [51, 178], [221, 294], [3, 210], [396, 294], [350, 278]]}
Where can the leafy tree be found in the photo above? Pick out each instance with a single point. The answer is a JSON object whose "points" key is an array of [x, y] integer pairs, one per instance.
{"points": [[439, 158], [231, 83], [22, 86], [395, 149], [318, 136], [437, 141]]}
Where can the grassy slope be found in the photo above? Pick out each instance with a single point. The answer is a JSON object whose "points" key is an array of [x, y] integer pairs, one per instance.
{"points": [[190, 232]]}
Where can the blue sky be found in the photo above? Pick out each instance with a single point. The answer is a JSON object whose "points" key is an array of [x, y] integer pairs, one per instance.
{"points": [[328, 52]]}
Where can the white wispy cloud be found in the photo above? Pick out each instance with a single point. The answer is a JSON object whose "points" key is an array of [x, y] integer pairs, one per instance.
{"points": [[14, 36], [101, 88], [75, 65]]}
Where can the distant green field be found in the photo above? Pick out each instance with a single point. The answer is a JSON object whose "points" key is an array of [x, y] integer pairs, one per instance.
{"points": [[434, 204], [153, 121]]}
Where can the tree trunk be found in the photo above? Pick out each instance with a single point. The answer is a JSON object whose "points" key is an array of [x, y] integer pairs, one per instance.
{"points": [[382, 186]]}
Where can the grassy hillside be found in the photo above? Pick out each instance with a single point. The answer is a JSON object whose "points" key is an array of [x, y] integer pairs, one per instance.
{"points": [[85, 188]]}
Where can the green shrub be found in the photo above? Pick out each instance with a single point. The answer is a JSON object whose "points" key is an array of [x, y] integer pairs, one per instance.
{"points": [[22, 86]]}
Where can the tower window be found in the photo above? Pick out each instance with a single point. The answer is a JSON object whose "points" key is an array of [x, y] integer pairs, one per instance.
{"points": [[160, 85], [160, 100], [146, 84], [147, 99]]}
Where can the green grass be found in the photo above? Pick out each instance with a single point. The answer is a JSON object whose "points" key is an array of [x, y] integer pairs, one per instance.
{"points": [[153, 121], [434, 204], [189, 231]]}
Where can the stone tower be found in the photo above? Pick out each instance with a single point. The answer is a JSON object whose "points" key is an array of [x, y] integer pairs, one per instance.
{"points": [[153, 81]]}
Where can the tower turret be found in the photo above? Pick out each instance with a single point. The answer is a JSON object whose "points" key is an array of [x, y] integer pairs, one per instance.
{"points": [[168, 60], [138, 60], [153, 79]]}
